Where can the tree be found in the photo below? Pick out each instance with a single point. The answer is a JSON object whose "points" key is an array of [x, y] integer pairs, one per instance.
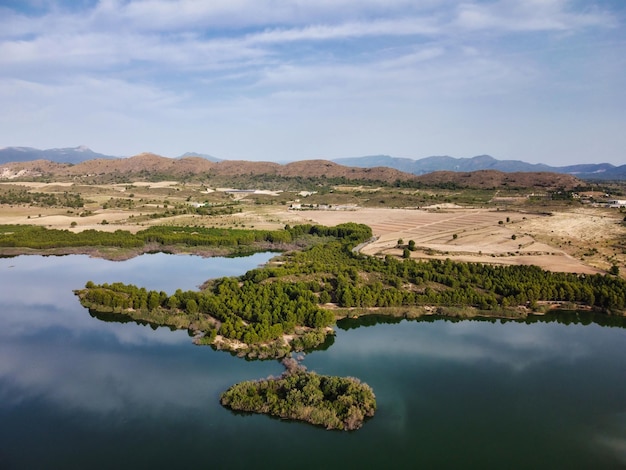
{"points": [[173, 302], [324, 297], [412, 245], [192, 307], [406, 253], [153, 300]]}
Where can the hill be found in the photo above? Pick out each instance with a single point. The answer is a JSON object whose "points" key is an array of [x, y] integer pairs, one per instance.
{"points": [[211, 158], [592, 171], [589, 171], [60, 155], [496, 179], [150, 166]]}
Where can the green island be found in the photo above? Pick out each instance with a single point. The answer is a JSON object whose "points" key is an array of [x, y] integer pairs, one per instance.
{"points": [[341, 403], [292, 303]]}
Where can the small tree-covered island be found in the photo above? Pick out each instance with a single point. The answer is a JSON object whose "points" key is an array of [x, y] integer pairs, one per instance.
{"points": [[291, 304], [332, 402]]}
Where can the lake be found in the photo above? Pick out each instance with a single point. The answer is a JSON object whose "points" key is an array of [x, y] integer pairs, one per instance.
{"points": [[77, 392]]}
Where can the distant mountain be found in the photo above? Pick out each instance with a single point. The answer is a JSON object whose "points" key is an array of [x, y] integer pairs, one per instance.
{"points": [[63, 155], [604, 171], [591, 171], [210, 158], [148, 165]]}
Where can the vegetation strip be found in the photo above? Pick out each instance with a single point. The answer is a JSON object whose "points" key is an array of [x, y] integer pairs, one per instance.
{"points": [[30, 236]]}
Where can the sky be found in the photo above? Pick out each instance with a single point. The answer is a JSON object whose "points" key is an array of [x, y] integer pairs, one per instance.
{"points": [[543, 81]]}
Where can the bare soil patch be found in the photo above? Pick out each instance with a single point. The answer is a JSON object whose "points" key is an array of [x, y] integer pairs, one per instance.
{"points": [[486, 236], [582, 240]]}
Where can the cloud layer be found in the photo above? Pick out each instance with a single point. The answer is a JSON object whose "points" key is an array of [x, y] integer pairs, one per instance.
{"points": [[538, 80]]}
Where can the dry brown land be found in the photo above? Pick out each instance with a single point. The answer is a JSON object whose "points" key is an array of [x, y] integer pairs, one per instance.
{"points": [[580, 239], [483, 235]]}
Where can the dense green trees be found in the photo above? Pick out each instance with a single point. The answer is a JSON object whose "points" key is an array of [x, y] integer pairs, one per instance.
{"points": [[29, 236], [353, 280], [257, 308], [284, 298], [248, 312], [332, 402], [22, 196]]}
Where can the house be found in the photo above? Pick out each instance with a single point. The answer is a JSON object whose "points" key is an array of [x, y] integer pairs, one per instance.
{"points": [[616, 203]]}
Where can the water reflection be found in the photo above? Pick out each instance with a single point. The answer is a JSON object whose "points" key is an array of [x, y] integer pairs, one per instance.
{"points": [[514, 343], [37, 292], [100, 379], [83, 392], [51, 347]]}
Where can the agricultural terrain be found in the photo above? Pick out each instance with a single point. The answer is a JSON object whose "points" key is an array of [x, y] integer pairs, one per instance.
{"points": [[554, 221]]}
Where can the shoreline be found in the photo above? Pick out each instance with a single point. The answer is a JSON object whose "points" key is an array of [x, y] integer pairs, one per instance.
{"points": [[124, 254]]}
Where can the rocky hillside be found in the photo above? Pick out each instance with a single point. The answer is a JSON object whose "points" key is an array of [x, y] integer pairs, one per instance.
{"points": [[147, 165], [496, 179], [150, 166]]}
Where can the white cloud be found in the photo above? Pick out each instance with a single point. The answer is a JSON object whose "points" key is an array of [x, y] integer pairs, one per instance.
{"points": [[163, 14], [529, 15], [229, 63]]}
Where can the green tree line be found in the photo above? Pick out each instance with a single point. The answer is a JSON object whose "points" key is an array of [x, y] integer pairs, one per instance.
{"points": [[30, 236], [354, 280], [21, 196]]}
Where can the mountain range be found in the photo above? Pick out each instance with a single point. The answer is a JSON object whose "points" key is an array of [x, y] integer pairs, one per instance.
{"points": [[590, 171], [233, 172], [594, 171], [60, 155]]}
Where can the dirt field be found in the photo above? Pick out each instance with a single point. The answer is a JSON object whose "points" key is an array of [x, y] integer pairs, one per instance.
{"points": [[582, 240], [481, 235]]}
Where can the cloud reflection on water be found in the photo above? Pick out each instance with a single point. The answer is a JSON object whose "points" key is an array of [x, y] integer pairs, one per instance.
{"points": [[436, 382], [51, 348], [514, 345], [103, 380]]}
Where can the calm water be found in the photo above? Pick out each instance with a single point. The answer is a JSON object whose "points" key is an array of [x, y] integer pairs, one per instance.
{"points": [[76, 392]]}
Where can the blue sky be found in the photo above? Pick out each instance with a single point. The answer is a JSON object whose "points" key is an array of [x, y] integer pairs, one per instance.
{"points": [[533, 80]]}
